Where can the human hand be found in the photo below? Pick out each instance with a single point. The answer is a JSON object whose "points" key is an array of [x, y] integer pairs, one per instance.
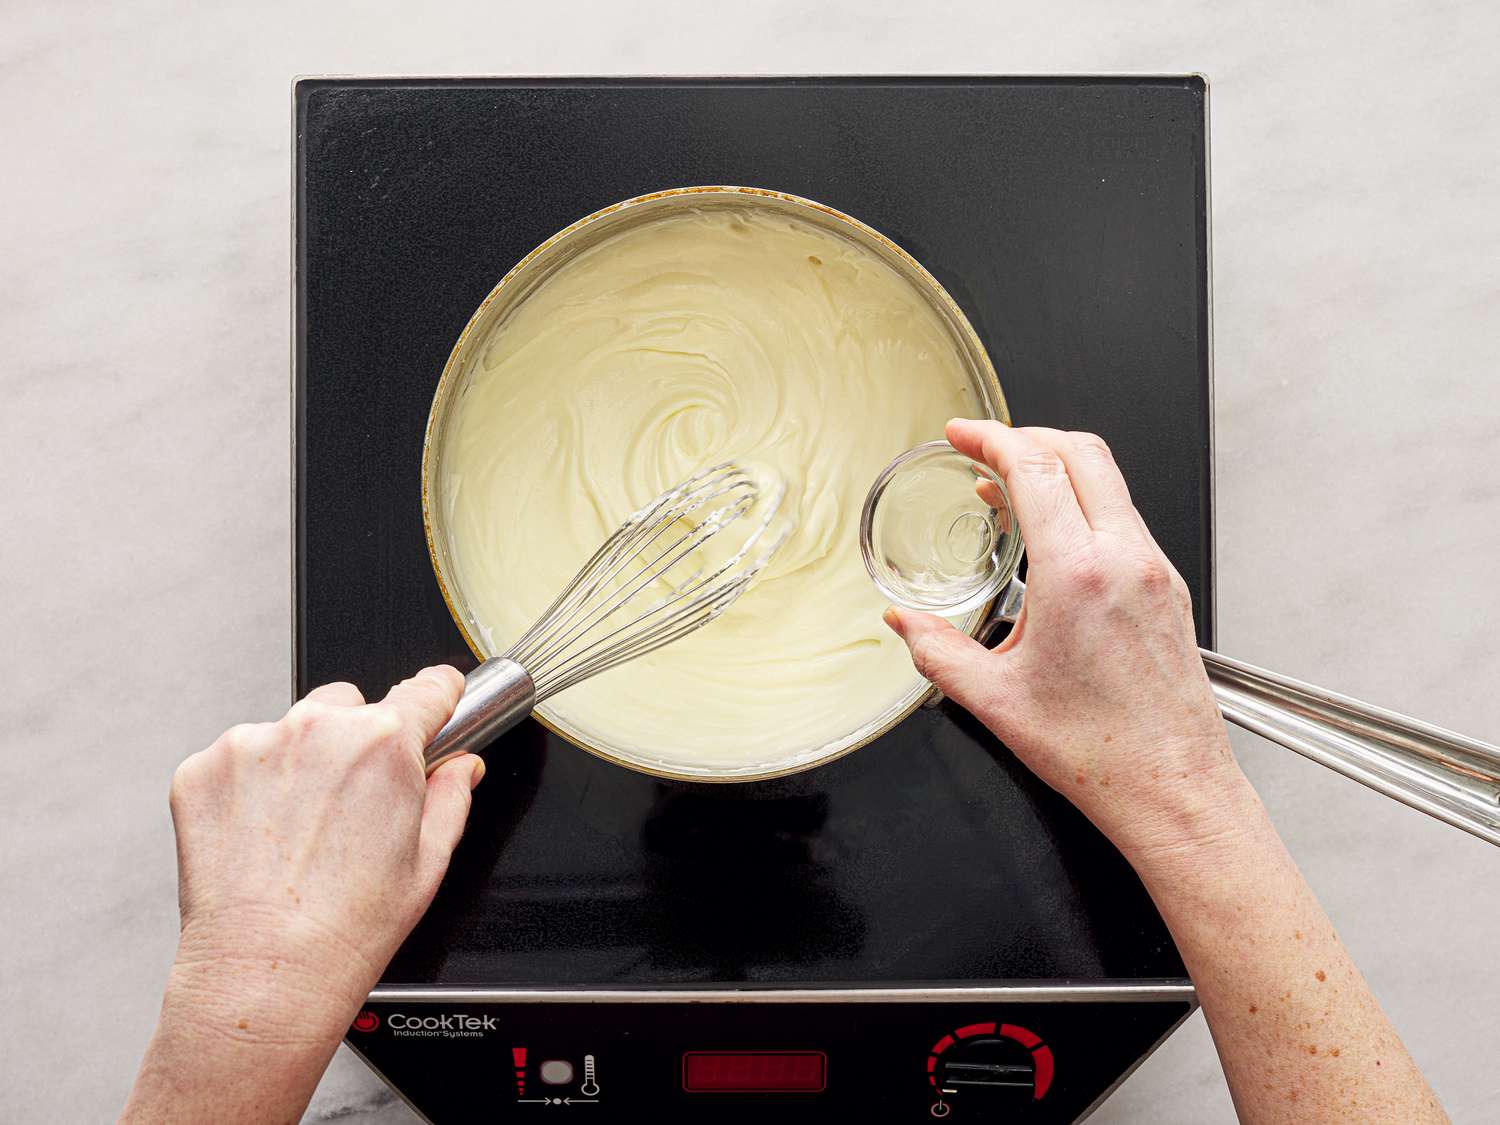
{"points": [[307, 849], [315, 842], [1099, 688]]}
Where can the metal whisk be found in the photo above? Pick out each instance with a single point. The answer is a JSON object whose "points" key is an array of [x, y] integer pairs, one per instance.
{"points": [[655, 580]]}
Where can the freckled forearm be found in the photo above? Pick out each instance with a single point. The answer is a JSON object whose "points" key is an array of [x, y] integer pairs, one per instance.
{"points": [[1300, 1035], [239, 1041]]}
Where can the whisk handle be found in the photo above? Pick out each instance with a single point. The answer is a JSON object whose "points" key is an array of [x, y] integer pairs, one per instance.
{"points": [[497, 695]]}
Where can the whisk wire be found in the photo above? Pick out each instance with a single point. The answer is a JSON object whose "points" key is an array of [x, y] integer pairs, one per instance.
{"points": [[619, 548], [594, 624], [582, 631], [569, 626], [683, 621], [650, 572]]}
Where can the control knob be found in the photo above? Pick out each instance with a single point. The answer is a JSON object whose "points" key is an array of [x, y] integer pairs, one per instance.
{"points": [[989, 1069]]}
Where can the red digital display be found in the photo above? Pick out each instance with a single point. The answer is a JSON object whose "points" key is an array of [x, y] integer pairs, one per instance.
{"points": [[754, 1072]]}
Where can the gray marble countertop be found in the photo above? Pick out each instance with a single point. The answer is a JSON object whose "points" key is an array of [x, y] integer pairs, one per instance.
{"points": [[144, 305]]}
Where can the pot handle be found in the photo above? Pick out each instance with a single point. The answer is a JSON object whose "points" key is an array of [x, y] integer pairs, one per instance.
{"points": [[1446, 775], [497, 695]]}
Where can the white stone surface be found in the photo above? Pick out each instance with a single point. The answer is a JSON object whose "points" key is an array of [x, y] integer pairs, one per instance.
{"points": [[144, 312]]}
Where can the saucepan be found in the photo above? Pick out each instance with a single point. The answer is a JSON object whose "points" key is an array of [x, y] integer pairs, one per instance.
{"points": [[531, 272]]}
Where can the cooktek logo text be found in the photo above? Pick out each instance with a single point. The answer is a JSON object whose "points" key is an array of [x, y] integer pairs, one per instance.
{"points": [[440, 1025]]}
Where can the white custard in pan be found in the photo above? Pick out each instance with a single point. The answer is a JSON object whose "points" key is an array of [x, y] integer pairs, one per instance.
{"points": [[703, 335]]}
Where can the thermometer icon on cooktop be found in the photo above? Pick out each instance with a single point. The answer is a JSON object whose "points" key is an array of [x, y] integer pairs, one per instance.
{"points": [[590, 1087]]}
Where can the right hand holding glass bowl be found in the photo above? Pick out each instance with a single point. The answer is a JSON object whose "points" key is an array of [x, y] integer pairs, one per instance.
{"points": [[1100, 687]]}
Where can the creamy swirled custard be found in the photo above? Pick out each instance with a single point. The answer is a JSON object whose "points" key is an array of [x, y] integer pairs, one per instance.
{"points": [[705, 334]]}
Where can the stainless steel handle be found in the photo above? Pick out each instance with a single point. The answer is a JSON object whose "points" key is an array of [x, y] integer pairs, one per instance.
{"points": [[1445, 775], [497, 695]]}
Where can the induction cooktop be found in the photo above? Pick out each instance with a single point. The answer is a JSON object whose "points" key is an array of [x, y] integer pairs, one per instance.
{"points": [[918, 930]]}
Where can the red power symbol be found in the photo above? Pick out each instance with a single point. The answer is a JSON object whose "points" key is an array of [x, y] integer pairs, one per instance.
{"points": [[519, 1055]]}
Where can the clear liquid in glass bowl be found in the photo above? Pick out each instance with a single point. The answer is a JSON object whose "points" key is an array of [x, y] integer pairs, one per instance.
{"points": [[937, 532]]}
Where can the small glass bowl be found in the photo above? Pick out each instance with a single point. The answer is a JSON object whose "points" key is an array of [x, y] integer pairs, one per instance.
{"points": [[937, 532]]}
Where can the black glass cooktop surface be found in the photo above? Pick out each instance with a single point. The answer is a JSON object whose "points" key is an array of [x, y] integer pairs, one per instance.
{"points": [[1067, 217]]}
